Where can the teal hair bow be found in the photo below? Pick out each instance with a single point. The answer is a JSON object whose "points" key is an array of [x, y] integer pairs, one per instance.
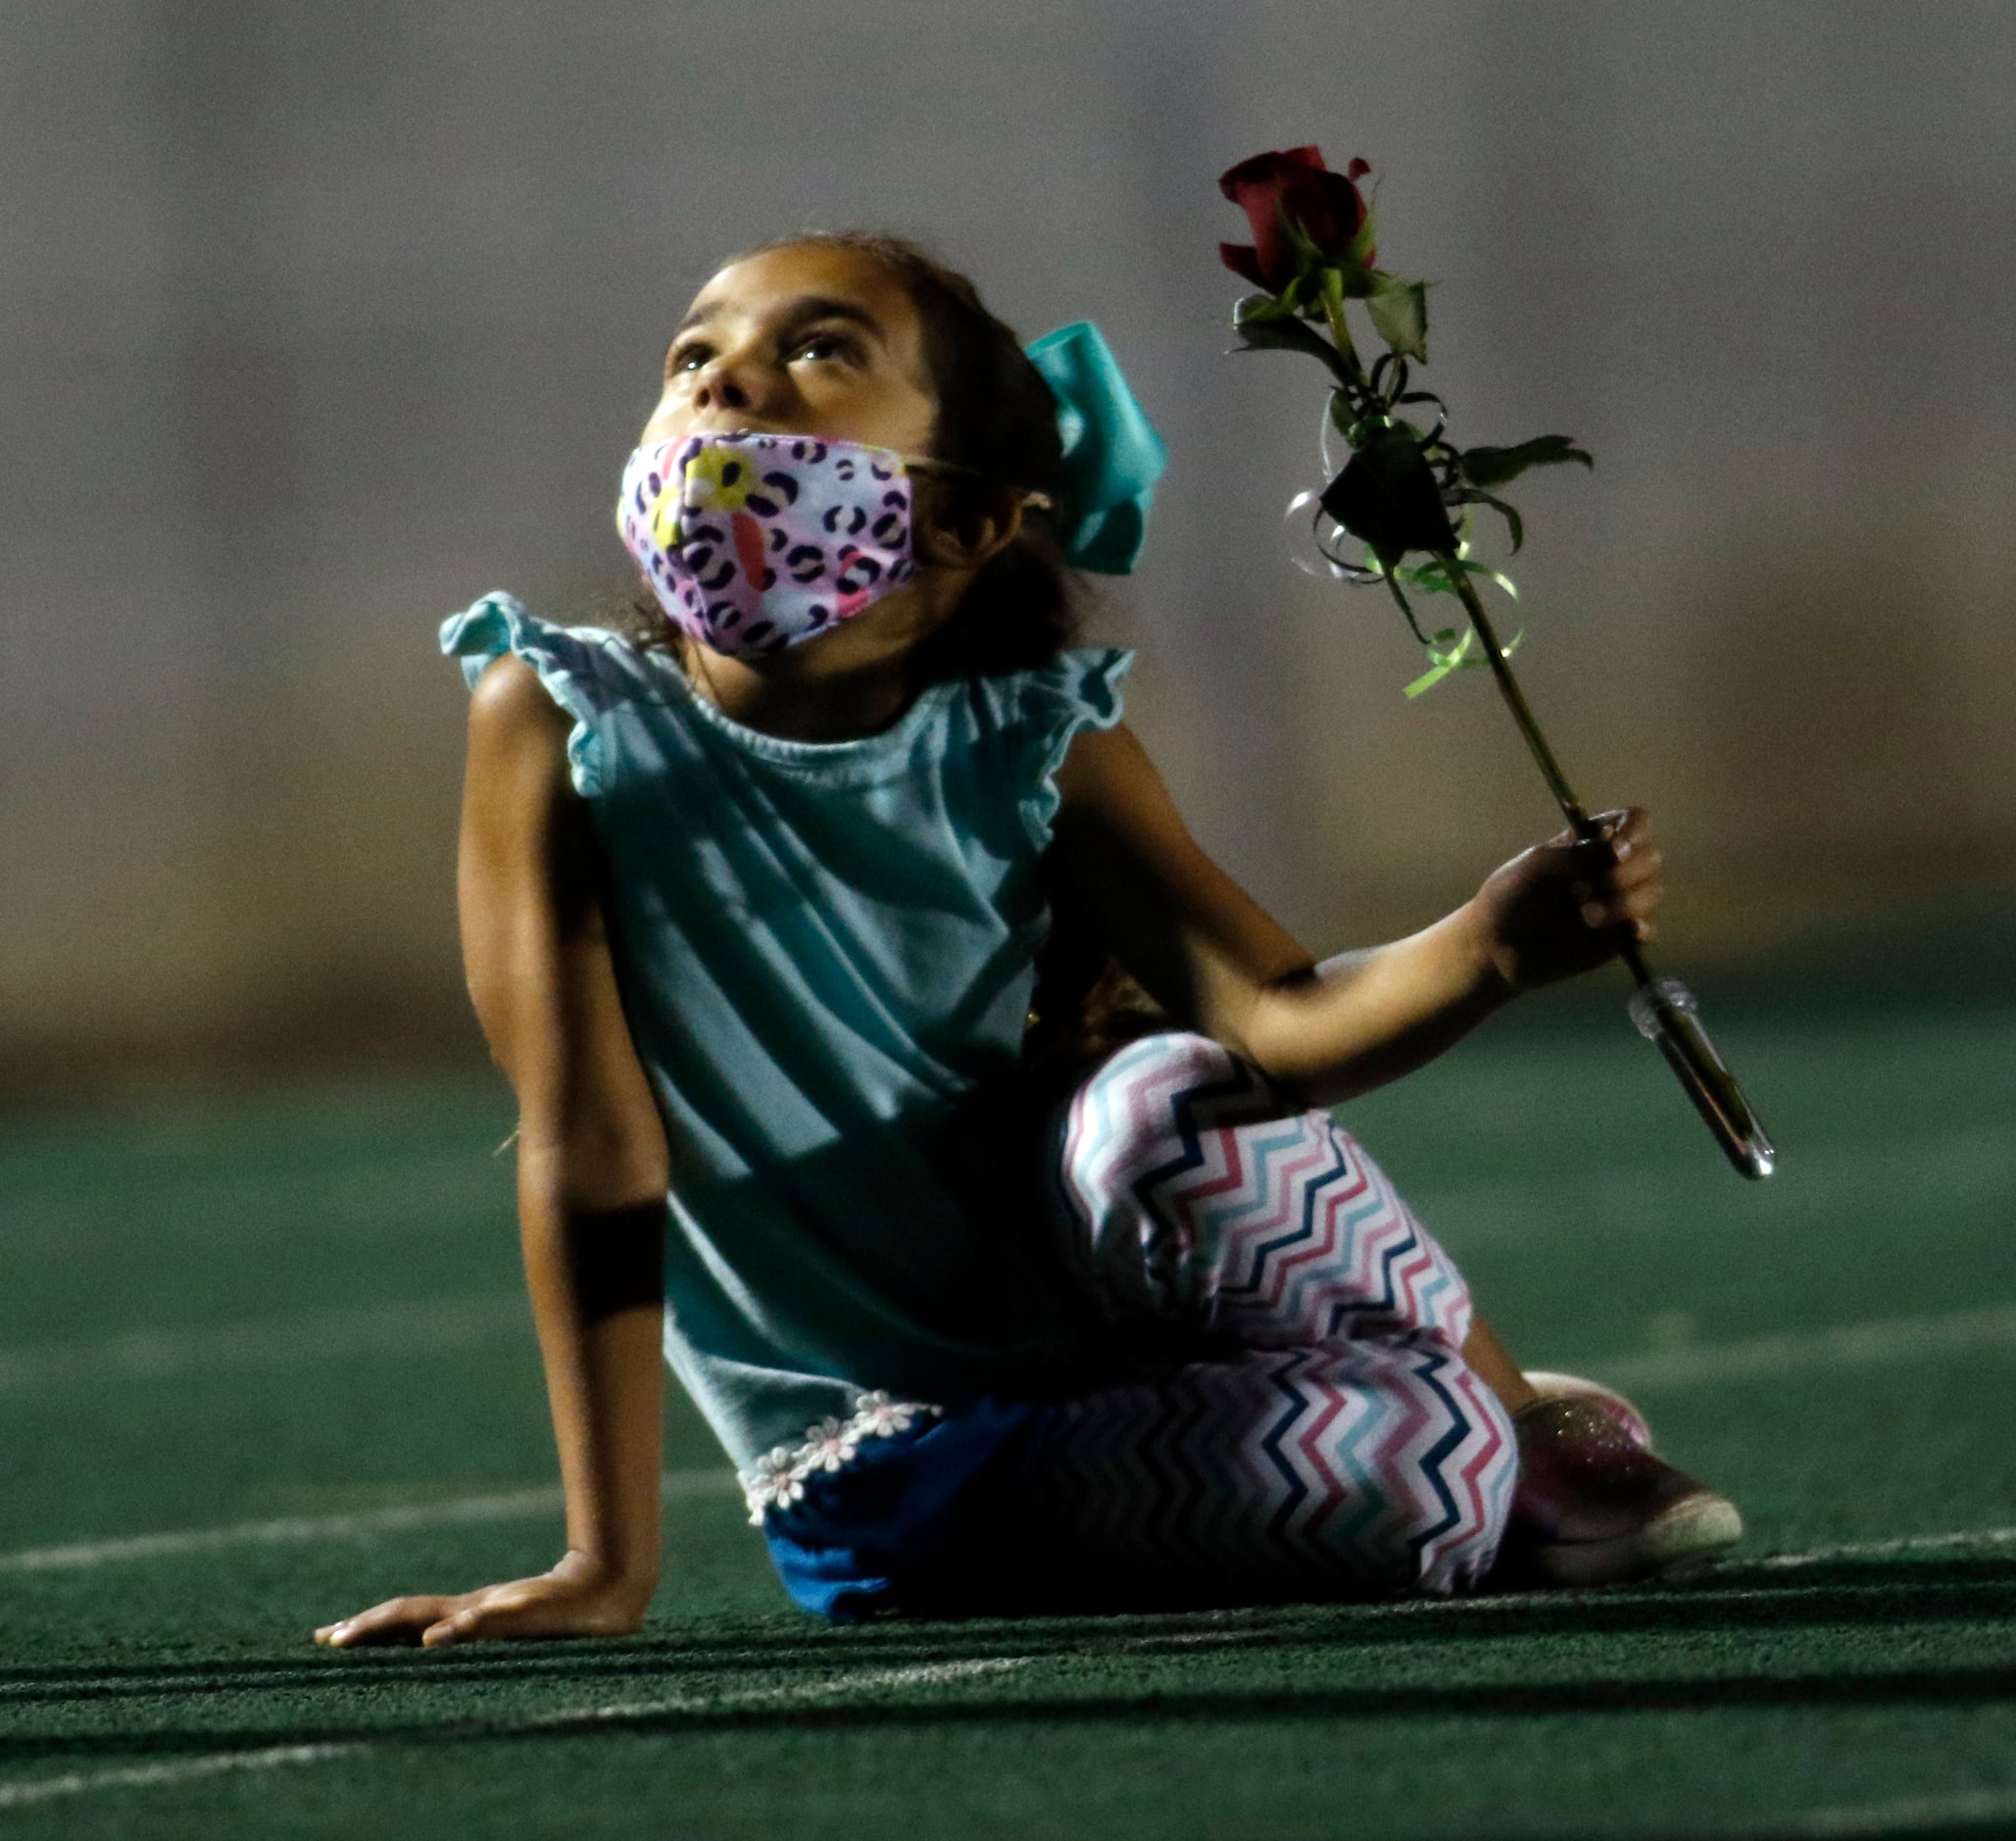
{"points": [[1112, 455]]}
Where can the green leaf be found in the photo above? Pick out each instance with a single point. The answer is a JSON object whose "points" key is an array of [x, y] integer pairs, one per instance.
{"points": [[1264, 328], [1362, 244], [1400, 315], [1359, 429], [1307, 254], [1254, 310], [1387, 498], [1499, 466], [1513, 523], [1356, 429]]}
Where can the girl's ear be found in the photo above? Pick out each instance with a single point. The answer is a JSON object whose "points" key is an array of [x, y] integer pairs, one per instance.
{"points": [[965, 523]]}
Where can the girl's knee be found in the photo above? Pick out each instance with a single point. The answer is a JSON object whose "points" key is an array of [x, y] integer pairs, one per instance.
{"points": [[1164, 1089], [1172, 1059], [1134, 1138]]}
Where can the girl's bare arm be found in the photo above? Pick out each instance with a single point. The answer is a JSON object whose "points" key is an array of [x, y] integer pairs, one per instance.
{"points": [[1220, 964], [592, 1180]]}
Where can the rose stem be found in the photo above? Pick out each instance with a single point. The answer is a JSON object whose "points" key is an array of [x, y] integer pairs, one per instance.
{"points": [[1712, 1088], [1339, 336], [1515, 701]]}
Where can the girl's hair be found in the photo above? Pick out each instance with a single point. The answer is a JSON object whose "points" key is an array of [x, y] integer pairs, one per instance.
{"points": [[995, 418]]}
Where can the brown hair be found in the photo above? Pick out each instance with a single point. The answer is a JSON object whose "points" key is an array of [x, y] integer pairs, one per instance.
{"points": [[997, 418]]}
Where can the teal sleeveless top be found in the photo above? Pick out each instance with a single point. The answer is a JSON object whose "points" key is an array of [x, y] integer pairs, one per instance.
{"points": [[827, 951]]}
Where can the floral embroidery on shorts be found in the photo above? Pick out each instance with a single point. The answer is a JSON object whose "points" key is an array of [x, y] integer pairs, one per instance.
{"points": [[777, 1480]]}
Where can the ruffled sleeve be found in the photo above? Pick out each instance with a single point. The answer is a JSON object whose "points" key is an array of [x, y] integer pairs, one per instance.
{"points": [[574, 666], [1077, 690]]}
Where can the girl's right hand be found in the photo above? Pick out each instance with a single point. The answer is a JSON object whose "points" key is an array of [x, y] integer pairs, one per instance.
{"points": [[1553, 911], [580, 1597]]}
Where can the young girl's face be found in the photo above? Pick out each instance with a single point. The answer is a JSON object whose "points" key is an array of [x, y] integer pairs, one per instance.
{"points": [[805, 339]]}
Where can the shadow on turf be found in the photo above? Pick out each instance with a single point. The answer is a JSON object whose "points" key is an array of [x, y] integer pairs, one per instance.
{"points": [[1841, 1594], [1925, 1687]]}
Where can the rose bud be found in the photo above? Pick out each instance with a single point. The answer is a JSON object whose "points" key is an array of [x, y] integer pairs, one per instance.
{"points": [[1292, 187]]}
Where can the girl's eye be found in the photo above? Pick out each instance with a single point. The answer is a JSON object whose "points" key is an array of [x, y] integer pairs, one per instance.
{"points": [[825, 345], [684, 360]]}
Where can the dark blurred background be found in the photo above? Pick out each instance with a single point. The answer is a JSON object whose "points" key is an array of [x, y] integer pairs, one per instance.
{"points": [[318, 320]]}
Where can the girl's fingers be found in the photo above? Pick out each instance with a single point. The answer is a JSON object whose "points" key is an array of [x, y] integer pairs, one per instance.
{"points": [[1632, 903], [1633, 906], [1626, 831], [448, 1630], [494, 1613], [397, 1620], [537, 1606], [1633, 884], [513, 1610]]}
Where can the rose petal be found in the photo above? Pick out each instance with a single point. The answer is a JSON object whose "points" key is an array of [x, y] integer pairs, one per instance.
{"points": [[1292, 186], [1244, 260], [1260, 170]]}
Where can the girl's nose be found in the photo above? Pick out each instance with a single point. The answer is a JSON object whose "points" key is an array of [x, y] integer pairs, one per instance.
{"points": [[724, 385]]}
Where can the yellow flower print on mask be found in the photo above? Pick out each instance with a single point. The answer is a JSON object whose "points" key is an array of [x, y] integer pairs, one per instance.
{"points": [[717, 479], [665, 517]]}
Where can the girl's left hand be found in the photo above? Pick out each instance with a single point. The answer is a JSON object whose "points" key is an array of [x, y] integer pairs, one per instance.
{"points": [[578, 1597], [1554, 912]]}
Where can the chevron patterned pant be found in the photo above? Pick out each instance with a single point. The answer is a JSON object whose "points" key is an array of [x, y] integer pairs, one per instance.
{"points": [[1302, 1423]]}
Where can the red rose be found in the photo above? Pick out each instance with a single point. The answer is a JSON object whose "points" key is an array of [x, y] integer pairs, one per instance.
{"points": [[1296, 186]]}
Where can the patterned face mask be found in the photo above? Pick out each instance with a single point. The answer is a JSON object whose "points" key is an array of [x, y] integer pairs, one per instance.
{"points": [[755, 542]]}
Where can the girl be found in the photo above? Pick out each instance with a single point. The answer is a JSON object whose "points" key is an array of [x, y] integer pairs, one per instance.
{"points": [[994, 1303]]}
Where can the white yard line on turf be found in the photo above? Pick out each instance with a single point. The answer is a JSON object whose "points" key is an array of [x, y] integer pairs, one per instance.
{"points": [[333, 1205], [1966, 1168], [25, 1790], [423, 1327], [1907, 1814], [506, 1505], [182, 1770], [1851, 1345], [1847, 1346], [1737, 1567], [1884, 1550]]}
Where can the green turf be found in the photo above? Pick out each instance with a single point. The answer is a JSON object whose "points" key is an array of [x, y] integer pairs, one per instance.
{"points": [[212, 1316]]}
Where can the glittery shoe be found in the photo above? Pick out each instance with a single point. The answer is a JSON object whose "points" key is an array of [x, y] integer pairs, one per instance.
{"points": [[1595, 1507], [1549, 1386]]}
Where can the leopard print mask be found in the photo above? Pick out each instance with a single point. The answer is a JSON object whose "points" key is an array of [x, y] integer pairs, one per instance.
{"points": [[756, 542]]}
